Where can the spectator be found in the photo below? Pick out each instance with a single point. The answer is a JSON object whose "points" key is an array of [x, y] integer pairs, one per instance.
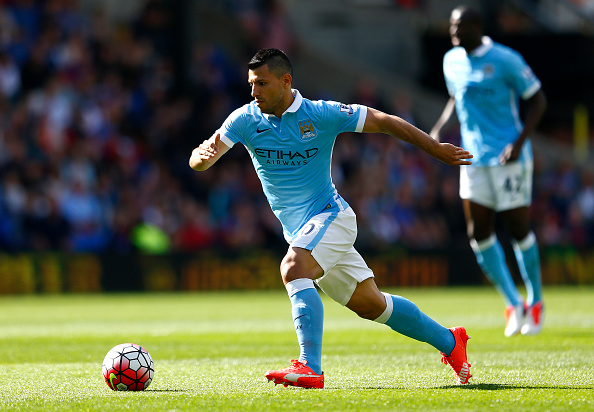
{"points": [[91, 115], [10, 77]]}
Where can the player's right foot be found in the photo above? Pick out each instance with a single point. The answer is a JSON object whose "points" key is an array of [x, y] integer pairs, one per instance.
{"points": [[514, 316], [458, 359], [298, 374], [534, 319]]}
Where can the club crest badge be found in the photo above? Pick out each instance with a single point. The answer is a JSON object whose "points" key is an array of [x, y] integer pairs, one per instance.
{"points": [[307, 130], [489, 70]]}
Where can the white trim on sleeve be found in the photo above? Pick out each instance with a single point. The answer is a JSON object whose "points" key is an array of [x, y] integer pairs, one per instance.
{"points": [[362, 118], [226, 140], [531, 91]]}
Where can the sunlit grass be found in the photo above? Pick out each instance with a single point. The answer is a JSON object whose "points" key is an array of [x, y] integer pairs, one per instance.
{"points": [[211, 350]]}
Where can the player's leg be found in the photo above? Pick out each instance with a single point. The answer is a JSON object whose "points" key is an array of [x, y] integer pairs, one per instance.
{"points": [[491, 258], [482, 190], [298, 268], [404, 317], [316, 248], [488, 251], [527, 255], [350, 282], [400, 314]]}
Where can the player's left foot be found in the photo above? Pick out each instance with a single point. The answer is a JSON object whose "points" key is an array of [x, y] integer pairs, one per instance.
{"points": [[298, 374], [534, 319], [514, 317], [458, 359]]}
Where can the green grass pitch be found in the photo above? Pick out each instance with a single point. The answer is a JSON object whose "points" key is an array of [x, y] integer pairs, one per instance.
{"points": [[211, 351]]}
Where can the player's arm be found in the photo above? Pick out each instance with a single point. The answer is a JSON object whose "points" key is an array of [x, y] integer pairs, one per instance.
{"points": [[444, 120], [209, 151], [379, 122], [535, 109]]}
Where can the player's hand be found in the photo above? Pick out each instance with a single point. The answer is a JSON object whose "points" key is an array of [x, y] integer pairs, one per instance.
{"points": [[209, 148], [205, 152], [510, 153], [453, 155]]}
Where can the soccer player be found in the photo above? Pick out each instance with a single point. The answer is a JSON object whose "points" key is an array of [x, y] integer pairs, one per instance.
{"points": [[485, 81], [290, 141]]}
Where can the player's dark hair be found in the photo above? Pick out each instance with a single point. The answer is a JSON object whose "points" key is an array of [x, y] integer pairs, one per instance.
{"points": [[277, 61]]}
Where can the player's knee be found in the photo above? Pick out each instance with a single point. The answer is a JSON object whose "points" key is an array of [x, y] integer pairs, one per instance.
{"points": [[479, 230], [290, 269], [367, 309], [370, 313], [367, 301], [287, 271], [480, 235], [519, 232], [298, 264]]}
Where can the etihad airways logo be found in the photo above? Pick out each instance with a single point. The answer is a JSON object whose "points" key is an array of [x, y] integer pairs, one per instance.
{"points": [[286, 157]]}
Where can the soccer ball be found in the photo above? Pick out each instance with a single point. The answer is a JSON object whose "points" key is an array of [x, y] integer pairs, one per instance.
{"points": [[128, 367]]}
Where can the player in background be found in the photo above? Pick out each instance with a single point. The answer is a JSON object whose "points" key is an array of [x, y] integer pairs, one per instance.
{"points": [[485, 81], [290, 141]]}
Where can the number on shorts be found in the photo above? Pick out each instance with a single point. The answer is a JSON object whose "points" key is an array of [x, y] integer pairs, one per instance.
{"points": [[513, 184]]}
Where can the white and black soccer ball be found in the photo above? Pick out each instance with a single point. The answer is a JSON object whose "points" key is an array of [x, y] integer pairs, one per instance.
{"points": [[128, 367]]}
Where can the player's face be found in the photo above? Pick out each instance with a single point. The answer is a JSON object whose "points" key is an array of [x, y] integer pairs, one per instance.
{"points": [[462, 32], [267, 90]]}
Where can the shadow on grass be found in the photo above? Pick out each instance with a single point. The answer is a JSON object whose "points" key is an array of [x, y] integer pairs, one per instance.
{"points": [[476, 386], [499, 387]]}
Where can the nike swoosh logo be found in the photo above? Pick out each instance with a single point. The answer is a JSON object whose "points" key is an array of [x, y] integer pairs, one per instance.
{"points": [[111, 378], [260, 131], [293, 377]]}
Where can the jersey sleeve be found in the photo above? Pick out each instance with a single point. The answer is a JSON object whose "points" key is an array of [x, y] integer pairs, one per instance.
{"points": [[345, 117], [521, 77], [233, 127], [446, 75]]}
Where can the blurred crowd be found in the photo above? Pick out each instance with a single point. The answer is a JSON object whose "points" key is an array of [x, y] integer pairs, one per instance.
{"points": [[96, 130]]}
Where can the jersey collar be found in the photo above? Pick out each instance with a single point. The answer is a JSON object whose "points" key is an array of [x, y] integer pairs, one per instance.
{"points": [[293, 107], [296, 103], [481, 50]]}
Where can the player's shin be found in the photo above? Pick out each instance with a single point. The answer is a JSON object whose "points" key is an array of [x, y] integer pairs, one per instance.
{"points": [[308, 317], [406, 318], [491, 258], [527, 255]]}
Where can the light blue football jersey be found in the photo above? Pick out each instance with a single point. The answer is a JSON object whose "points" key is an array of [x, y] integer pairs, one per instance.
{"points": [[292, 154], [487, 86]]}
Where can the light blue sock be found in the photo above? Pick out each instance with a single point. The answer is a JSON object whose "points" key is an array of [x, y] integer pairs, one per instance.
{"points": [[491, 258], [528, 258], [308, 317], [406, 318]]}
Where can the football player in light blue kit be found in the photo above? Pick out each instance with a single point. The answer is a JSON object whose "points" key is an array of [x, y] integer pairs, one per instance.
{"points": [[290, 140], [485, 81]]}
